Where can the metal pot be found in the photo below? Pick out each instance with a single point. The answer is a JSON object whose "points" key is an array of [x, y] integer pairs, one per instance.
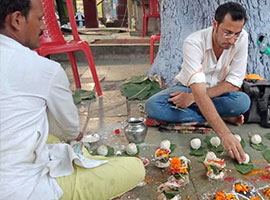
{"points": [[135, 130]]}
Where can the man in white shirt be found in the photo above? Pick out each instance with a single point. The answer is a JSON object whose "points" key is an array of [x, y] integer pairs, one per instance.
{"points": [[213, 69], [29, 83]]}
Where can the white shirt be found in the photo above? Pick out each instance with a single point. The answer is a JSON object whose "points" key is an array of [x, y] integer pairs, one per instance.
{"points": [[28, 84], [201, 66]]}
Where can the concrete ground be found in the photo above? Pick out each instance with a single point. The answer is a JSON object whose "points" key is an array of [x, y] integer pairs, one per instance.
{"points": [[111, 111]]}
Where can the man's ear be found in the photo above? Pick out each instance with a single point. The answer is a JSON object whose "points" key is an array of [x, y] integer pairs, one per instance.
{"points": [[16, 20], [215, 24]]}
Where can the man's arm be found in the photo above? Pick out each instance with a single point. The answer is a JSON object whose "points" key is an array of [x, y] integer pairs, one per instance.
{"points": [[210, 113], [183, 99], [221, 89], [61, 106]]}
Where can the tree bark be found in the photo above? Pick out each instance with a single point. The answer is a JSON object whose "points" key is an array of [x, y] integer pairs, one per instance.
{"points": [[179, 18]]}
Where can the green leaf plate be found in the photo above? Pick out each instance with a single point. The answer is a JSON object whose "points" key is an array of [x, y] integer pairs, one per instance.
{"points": [[134, 155], [259, 147], [219, 149], [267, 136], [198, 152], [243, 168], [266, 155], [172, 148]]}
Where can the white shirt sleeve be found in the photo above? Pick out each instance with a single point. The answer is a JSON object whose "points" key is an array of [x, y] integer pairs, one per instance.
{"points": [[238, 64], [192, 64], [61, 106]]}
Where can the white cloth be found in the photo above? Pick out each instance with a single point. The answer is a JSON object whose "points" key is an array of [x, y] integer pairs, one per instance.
{"points": [[28, 84], [197, 49]]}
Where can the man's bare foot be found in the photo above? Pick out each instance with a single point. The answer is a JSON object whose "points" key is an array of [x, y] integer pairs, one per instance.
{"points": [[239, 120]]}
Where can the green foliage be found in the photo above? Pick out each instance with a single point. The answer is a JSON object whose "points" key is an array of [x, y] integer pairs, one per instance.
{"points": [[198, 152], [215, 169], [110, 151], [243, 168], [266, 155], [140, 88], [267, 136], [171, 194], [80, 95], [243, 143], [172, 148]]}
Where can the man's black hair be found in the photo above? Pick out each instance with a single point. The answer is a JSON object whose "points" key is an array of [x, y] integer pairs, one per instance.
{"points": [[236, 10], [10, 6]]}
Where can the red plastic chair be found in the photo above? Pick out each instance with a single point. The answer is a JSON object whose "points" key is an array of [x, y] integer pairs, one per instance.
{"points": [[153, 12], [153, 39], [53, 42]]}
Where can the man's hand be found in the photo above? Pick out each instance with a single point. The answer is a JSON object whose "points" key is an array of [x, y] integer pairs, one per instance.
{"points": [[181, 99], [233, 146], [80, 136]]}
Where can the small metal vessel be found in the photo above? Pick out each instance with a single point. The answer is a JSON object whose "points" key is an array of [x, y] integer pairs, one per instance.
{"points": [[135, 130]]}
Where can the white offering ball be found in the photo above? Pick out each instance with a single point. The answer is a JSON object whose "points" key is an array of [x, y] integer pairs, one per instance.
{"points": [[238, 137], [165, 144], [247, 159], [102, 150], [215, 141], [131, 149], [195, 143], [256, 139]]}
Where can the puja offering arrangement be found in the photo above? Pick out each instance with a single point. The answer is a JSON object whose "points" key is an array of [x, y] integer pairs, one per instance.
{"points": [[215, 166], [162, 154], [179, 168], [240, 191], [162, 157], [179, 177]]}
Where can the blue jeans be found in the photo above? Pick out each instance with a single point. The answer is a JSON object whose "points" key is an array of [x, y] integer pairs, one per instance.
{"points": [[230, 104]]}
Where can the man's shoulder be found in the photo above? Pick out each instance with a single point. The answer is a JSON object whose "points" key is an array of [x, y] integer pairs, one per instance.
{"points": [[41, 63], [199, 36]]}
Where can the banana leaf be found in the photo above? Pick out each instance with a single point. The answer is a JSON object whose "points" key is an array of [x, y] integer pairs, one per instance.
{"points": [[140, 88], [80, 95]]}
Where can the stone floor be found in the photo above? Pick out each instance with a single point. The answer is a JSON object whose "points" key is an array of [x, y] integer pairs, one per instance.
{"points": [[111, 111]]}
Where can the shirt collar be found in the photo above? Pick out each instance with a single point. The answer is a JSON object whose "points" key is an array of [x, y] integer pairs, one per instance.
{"points": [[209, 40], [9, 41]]}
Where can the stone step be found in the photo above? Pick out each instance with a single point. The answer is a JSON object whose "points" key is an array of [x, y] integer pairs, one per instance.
{"points": [[108, 51]]}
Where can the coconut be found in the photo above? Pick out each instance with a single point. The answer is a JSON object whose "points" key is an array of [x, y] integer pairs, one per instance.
{"points": [[238, 137], [131, 149], [215, 141], [256, 139], [247, 159], [165, 144], [102, 150], [195, 143]]}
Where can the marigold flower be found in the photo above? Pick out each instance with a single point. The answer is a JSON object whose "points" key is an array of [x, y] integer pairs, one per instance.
{"points": [[221, 195], [255, 198], [230, 196], [175, 163], [267, 192], [239, 187]]}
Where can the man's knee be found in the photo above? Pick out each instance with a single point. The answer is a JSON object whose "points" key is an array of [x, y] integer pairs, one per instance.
{"points": [[242, 101]]}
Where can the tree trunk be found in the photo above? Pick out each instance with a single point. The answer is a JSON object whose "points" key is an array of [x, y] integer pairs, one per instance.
{"points": [[179, 18]]}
